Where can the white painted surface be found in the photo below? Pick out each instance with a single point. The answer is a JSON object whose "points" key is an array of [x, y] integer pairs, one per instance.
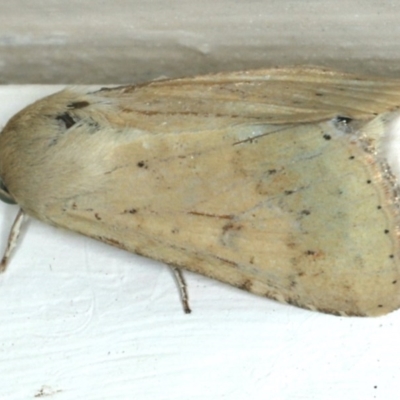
{"points": [[82, 320]]}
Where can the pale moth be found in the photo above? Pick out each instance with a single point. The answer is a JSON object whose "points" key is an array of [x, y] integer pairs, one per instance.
{"points": [[282, 182]]}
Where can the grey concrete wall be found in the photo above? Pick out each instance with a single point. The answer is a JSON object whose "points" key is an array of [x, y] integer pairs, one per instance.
{"points": [[121, 41]]}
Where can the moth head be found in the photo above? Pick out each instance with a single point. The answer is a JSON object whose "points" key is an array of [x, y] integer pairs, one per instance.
{"points": [[5, 194]]}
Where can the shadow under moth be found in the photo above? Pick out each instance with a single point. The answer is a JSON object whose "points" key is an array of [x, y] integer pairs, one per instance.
{"points": [[282, 182]]}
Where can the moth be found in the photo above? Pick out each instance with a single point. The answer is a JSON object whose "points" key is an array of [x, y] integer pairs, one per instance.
{"points": [[282, 182]]}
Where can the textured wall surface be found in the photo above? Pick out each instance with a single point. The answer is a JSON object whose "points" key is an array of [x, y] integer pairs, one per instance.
{"points": [[120, 41]]}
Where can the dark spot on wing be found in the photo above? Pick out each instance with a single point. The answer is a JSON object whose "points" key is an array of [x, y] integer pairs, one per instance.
{"points": [[231, 227], [130, 211], [78, 104], [142, 164], [342, 119], [66, 119]]}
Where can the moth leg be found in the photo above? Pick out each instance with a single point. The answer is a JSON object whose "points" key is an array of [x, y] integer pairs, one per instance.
{"points": [[180, 280], [12, 239]]}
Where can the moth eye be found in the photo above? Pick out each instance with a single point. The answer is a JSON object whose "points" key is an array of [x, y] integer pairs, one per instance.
{"points": [[5, 195]]}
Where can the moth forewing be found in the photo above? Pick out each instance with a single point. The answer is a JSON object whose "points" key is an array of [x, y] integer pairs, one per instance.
{"points": [[275, 181]]}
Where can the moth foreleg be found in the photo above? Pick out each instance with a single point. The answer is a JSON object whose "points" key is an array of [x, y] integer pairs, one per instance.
{"points": [[180, 280], [12, 239]]}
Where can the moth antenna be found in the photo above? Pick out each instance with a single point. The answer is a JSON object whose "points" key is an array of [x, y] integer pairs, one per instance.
{"points": [[180, 280], [12, 239]]}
